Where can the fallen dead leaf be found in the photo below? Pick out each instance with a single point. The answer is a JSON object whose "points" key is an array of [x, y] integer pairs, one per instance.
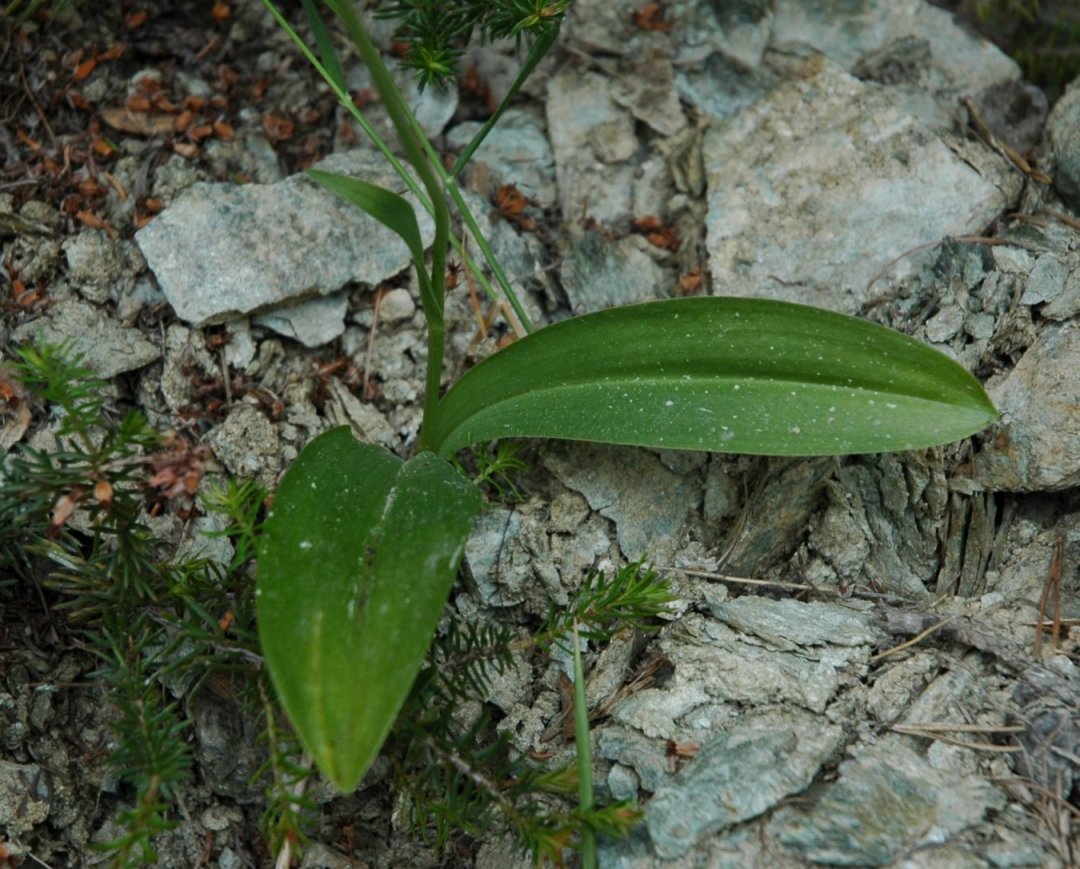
{"points": [[137, 123]]}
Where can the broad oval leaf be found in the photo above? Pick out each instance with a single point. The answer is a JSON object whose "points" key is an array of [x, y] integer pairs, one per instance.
{"points": [[721, 374], [355, 564]]}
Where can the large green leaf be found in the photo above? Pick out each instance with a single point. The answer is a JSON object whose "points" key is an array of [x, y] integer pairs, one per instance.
{"points": [[356, 561], [722, 374]]}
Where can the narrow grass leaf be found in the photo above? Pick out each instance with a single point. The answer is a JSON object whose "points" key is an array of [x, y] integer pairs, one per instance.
{"points": [[721, 374], [536, 54], [392, 211], [387, 207], [355, 564], [327, 53]]}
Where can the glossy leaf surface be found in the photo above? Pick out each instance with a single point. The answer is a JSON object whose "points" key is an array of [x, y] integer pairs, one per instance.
{"points": [[721, 374], [355, 565]]}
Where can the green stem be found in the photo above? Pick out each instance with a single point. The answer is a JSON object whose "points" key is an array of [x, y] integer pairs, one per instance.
{"points": [[345, 100], [485, 248], [413, 141], [584, 756]]}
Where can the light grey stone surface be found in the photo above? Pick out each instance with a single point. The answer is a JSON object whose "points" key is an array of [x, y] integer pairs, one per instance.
{"points": [[98, 265], [738, 775], [313, 323], [886, 802], [1036, 446], [396, 305], [648, 503], [1063, 136], [592, 139], [516, 151], [958, 64], [221, 251], [824, 184], [248, 444], [791, 624], [597, 273], [103, 344]]}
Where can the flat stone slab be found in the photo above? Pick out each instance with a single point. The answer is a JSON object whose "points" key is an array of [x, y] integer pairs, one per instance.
{"points": [[822, 186], [883, 805], [222, 251], [739, 775], [101, 342], [1037, 445]]}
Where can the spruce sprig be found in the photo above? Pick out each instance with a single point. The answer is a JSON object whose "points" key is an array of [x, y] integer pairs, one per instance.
{"points": [[635, 596], [437, 33], [150, 752]]}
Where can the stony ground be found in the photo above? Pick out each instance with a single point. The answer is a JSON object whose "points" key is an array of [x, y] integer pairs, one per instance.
{"points": [[851, 674]]}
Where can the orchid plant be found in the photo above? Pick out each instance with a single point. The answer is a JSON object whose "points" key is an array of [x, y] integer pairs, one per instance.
{"points": [[361, 547]]}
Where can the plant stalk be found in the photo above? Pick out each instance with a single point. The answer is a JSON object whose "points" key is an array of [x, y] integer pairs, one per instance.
{"points": [[402, 119]]}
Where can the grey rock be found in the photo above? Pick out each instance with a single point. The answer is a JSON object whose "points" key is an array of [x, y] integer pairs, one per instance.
{"points": [[369, 426], [720, 87], [789, 624], [1013, 259], [1016, 112], [221, 251], [185, 354], [740, 30], [823, 184], [592, 138], [945, 324], [646, 757], [174, 176], [247, 444], [320, 856], [104, 345], [727, 666], [776, 514], [43, 218], [1067, 304], [894, 688], [646, 86], [1063, 136], [396, 305], [778, 753], [885, 803], [313, 323], [96, 265], [622, 782], [1037, 444], [25, 797], [516, 151], [648, 503], [249, 155], [607, 25], [655, 711], [208, 540], [597, 273], [960, 64], [502, 554], [881, 523], [225, 746], [1046, 281]]}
